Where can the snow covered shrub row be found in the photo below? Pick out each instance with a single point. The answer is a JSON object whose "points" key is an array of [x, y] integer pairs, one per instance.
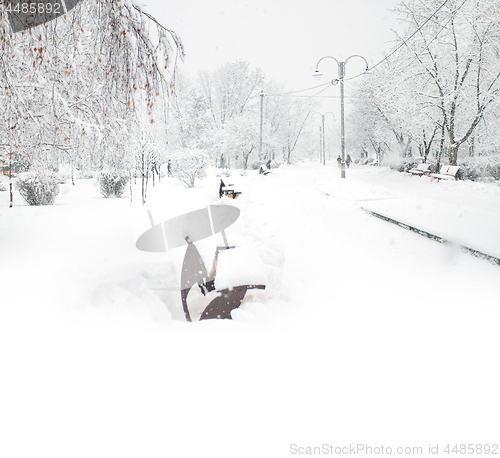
{"points": [[112, 184], [85, 174], [2, 187], [405, 165], [482, 168], [38, 187], [274, 164]]}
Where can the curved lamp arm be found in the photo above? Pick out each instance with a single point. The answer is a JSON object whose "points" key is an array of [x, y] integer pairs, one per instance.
{"points": [[326, 57], [317, 74], [357, 55]]}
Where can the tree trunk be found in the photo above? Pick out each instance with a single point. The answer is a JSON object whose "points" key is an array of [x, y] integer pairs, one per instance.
{"points": [[441, 147], [453, 153], [245, 158], [130, 180], [472, 146]]}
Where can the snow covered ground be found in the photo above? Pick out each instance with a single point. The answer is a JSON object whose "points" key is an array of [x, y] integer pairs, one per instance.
{"points": [[366, 333]]}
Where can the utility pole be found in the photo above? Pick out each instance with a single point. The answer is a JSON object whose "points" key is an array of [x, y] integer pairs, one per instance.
{"points": [[323, 142], [261, 121], [320, 142], [342, 135]]}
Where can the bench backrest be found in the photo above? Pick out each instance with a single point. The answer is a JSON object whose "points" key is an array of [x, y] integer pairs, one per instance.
{"points": [[453, 170], [444, 169], [423, 167]]}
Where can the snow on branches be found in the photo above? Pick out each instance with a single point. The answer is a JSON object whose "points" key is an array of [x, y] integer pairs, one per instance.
{"points": [[442, 80], [85, 84]]}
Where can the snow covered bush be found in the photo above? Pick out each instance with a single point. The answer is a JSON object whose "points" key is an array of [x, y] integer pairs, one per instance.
{"points": [[190, 164], [38, 187], [112, 184], [409, 164], [2, 187], [85, 174], [486, 168], [404, 165]]}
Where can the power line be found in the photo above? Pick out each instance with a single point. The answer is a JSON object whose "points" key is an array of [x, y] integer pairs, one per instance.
{"points": [[300, 90], [325, 86], [383, 60], [413, 34], [405, 41]]}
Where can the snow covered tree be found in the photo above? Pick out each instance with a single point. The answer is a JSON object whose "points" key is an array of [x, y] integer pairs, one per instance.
{"points": [[457, 52], [80, 87], [191, 123], [242, 138], [188, 165], [296, 118], [230, 89]]}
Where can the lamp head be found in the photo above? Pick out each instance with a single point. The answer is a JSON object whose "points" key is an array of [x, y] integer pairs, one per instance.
{"points": [[317, 76], [367, 74]]}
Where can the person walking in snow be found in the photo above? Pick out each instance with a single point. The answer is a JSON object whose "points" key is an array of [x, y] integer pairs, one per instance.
{"points": [[348, 160], [339, 161]]}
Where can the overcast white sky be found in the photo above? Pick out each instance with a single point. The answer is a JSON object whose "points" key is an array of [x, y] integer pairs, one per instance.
{"points": [[285, 38]]}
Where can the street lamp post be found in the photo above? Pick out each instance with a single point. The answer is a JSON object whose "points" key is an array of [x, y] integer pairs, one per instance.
{"points": [[341, 72], [322, 136]]}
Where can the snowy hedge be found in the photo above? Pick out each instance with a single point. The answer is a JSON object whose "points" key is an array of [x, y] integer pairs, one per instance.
{"points": [[408, 164], [482, 168], [38, 187], [477, 168], [112, 184]]}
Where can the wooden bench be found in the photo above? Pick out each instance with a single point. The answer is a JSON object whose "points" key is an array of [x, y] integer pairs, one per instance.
{"points": [[263, 170], [447, 172], [422, 169], [228, 191]]}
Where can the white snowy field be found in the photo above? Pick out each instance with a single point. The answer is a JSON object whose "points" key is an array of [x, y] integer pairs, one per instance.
{"points": [[366, 333]]}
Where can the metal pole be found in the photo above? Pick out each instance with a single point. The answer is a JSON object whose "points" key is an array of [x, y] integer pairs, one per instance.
{"points": [[320, 144], [261, 121], [324, 148], [341, 68], [342, 137]]}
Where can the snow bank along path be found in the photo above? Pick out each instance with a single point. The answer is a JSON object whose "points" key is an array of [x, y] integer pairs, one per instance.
{"points": [[366, 333]]}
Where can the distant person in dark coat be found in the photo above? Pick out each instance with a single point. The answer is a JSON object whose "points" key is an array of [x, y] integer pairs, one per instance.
{"points": [[348, 160], [339, 161]]}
